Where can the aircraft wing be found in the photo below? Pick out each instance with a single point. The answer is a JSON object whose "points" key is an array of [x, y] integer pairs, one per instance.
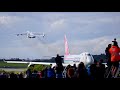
{"points": [[37, 33], [45, 63], [30, 63], [21, 34], [16, 62]]}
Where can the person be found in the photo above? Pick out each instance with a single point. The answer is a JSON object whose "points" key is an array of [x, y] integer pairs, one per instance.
{"points": [[44, 71], [74, 67], [114, 41], [100, 69], [28, 73], [12, 75], [59, 70], [58, 60], [21, 75], [115, 57], [71, 72], [66, 71], [50, 72], [82, 72], [108, 55], [93, 70]]}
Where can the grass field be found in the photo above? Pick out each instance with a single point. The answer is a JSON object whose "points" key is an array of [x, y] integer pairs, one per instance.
{"points": [[12, 65]]}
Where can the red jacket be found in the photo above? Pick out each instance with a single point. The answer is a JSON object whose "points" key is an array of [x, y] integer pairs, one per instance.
{"points": [[115, 53]]}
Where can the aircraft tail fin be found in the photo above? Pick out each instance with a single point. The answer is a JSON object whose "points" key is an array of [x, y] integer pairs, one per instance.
{"points": [[66, 46]]}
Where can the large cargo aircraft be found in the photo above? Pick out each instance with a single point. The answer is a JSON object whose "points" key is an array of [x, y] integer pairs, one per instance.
{"points": [[31, 34]]}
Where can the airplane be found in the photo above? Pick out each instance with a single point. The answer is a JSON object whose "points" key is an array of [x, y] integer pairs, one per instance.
{"points": [[68, 59], [84, 57], [32, 34]]}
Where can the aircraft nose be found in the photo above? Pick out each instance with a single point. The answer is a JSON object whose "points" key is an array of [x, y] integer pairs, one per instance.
{"points": [[89, 60]]}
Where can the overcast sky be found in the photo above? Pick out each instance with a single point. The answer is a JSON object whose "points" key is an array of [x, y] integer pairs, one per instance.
{"points": [[85, 31]]}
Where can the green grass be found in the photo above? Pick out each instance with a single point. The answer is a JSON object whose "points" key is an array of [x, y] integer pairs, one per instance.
{"points": [[14, 65], [21, 65], [15, 72], [38, 67]]}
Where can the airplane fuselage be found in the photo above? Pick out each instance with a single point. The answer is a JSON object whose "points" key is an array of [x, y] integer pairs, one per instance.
{"points": [[85, 57], [30, 35]]}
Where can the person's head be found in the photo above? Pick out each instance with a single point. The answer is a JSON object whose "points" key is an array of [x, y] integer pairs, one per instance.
{"points": [[57, 55], [68, 66], [114, 39], [81, 65], [74, 65], [109, 45]]}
